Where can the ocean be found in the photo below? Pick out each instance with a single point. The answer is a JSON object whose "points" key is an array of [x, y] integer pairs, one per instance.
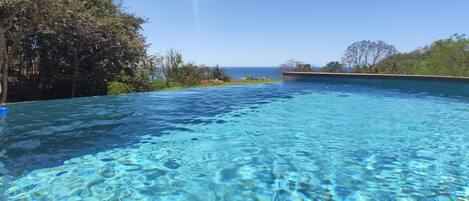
{"points": [[258, 72]]}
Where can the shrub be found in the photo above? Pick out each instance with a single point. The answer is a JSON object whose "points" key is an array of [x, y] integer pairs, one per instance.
{"points": [[294, 65], [115, 87], [157, 85], [250, 77], [219, 74], [303, 67], [334, 67], [189, 75], [443, 57]]}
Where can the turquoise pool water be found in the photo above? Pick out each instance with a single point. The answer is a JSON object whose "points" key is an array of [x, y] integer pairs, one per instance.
{"points": [[281, 141]]}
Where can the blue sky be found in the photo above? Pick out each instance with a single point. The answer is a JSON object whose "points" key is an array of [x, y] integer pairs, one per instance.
{"points": [[268, 32]]}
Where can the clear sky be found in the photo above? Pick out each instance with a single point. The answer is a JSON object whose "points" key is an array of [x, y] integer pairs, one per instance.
{"points": [[268, 32]]}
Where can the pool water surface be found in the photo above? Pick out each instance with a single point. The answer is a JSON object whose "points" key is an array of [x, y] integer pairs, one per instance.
{"points": [[280, 141]]}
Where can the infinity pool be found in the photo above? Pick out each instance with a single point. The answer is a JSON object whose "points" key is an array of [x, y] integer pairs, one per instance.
{"points": [[282, 141]]}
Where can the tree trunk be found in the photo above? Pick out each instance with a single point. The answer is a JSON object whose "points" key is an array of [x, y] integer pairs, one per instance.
{"points": [[4, 67], [1, 79], [5, 81], [76, 63]]}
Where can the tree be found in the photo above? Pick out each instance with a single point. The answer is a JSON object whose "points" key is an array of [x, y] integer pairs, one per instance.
{"points": [[289, 65], [90, 29], [443, 57], [294, 65], [363, 55], [19, 18], [172, 61], [9, 9], [152, 64], [303, 67], [218, 73], [334, 67], [67, 48], [80, 30], [189, 74]]}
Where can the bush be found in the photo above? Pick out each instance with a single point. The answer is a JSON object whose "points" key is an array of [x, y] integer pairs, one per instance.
{"points": [[114, 88], [188, 75], [293, 65], [250, 77], [303, 67], [157, 85], [333, 67], [443, 57], [218, 74]]}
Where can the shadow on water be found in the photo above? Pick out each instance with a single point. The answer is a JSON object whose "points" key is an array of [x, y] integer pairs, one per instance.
{"points": [[46, 133]]}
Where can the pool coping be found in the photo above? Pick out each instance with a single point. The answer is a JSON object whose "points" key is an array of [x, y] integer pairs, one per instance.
{"points": [[379, 76]]}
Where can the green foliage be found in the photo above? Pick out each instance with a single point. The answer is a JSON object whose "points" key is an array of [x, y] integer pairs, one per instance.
{"points": [[176, 72], [334, 67], [81, 46], [293, 65], [219, 74], [157, 85], [56, 49], [236, 82], [250, 77], [189, 75], [171, 64], [444, 57], [114, 88], [303, 67]]}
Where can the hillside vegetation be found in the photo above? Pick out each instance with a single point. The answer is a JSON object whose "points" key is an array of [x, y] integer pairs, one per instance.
{"points": [[443, 57], [449, 57], [71, 48]]}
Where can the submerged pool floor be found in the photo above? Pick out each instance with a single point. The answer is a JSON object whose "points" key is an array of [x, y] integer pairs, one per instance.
{"points": [[281, 141]]}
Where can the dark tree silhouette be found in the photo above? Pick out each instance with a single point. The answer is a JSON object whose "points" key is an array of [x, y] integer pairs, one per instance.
{"points": [[334, 67], [363, 55]]}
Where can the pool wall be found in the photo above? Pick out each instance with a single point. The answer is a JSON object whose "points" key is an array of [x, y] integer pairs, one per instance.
{"points": [[435, 85]]}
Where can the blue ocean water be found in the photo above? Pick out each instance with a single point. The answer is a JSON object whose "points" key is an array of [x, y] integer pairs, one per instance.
{"points": [[300, 140], [258, 72]]}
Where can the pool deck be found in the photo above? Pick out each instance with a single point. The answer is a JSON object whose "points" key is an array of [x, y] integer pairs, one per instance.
{"points": [[378, 76]]}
